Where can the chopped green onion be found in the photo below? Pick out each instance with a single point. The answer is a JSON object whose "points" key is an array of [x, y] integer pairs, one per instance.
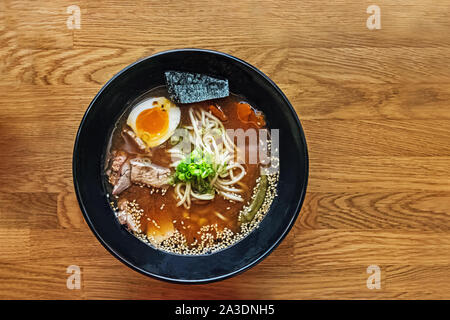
{"points": [[198, 169]]}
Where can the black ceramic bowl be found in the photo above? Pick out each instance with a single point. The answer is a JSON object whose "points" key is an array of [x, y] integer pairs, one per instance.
{"points": [[97, 125]]}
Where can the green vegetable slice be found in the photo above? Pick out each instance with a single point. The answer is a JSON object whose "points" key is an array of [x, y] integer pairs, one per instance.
{"points": [[251, 211]]}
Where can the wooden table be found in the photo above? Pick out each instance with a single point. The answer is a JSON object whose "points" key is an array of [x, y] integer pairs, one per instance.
{"points": [[374, 105]]}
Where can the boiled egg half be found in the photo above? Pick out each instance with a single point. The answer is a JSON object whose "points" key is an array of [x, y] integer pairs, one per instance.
{"points": [[154, 120]]}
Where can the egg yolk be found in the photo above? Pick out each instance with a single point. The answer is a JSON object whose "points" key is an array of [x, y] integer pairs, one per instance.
{"points": [[152, 123]]}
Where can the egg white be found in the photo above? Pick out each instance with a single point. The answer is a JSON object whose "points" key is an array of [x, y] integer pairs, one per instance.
{"points": [[173, 112]]}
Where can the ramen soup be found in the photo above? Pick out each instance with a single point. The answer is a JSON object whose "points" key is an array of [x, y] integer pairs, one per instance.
{"points": [[182, 178]]}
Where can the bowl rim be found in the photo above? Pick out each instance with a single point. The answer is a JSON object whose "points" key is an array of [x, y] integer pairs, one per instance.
{"points": [[232, 273]]}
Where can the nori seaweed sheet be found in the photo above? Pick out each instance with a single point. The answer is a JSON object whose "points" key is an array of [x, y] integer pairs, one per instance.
{"points": [[184, 87]]}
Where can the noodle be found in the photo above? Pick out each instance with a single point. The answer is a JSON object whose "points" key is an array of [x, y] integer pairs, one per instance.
{"points": [[208, 133]]}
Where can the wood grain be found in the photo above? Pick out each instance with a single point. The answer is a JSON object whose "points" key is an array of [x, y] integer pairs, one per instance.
{"points": [[374, 106]]}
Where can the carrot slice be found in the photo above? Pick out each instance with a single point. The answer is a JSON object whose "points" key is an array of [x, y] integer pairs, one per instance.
{"points": [[217, 112], [244, 111], [259, 119], [247, 115]]}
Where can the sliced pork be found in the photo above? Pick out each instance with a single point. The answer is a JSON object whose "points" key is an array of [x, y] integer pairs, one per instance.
{"points": [[150, 174], [126, 218], [119, 172], [132, 140], [124, 181], [118, 158]]}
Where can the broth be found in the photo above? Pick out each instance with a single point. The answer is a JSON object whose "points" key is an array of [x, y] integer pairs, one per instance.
{"points": [[160, 218]]}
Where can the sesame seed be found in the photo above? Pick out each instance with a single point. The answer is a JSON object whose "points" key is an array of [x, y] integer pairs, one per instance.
{"points": [[210, 237]]}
